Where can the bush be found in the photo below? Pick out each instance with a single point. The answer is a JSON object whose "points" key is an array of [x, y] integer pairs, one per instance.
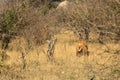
{"points": [[10, 20], [1, 63], [84, 17]]}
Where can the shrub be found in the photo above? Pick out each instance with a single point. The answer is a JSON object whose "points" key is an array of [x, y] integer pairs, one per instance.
{"points": [[10, 20], [100, 17]]}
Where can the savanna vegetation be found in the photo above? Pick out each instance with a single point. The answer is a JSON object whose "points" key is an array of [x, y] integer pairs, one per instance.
{"points": [[37, 39]]}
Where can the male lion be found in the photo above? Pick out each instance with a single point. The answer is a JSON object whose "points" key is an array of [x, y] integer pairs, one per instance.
{"points": [[81, 48]]}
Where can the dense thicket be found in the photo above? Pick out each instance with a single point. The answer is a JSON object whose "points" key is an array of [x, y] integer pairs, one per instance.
{"points": [[37, 20]]}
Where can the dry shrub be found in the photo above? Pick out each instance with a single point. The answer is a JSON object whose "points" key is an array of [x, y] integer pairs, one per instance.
{"points": [[36, 21], [97, 17]]}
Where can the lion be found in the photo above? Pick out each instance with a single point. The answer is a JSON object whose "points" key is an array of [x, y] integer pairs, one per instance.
{"points": [[81, 48]]}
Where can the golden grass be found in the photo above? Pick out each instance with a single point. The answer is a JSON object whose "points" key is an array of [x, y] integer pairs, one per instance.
{"points": [[67, 66], [103, 62]]}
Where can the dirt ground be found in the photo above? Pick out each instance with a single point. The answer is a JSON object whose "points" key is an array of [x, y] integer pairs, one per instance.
{"points": [[103, 62]]}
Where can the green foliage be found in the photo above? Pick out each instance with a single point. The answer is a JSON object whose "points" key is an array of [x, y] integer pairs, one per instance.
{"points": [[1, 63], [9, 18], [72, 77], [44, 9], [115, 70], [115, 7], [35, 3]]}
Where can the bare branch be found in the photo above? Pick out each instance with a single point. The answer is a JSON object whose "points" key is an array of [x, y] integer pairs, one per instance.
{"points": [[51, 47]]}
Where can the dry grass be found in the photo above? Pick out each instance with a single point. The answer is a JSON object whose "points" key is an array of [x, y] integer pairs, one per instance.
{"points": [[34, 25], [103, 65]]}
